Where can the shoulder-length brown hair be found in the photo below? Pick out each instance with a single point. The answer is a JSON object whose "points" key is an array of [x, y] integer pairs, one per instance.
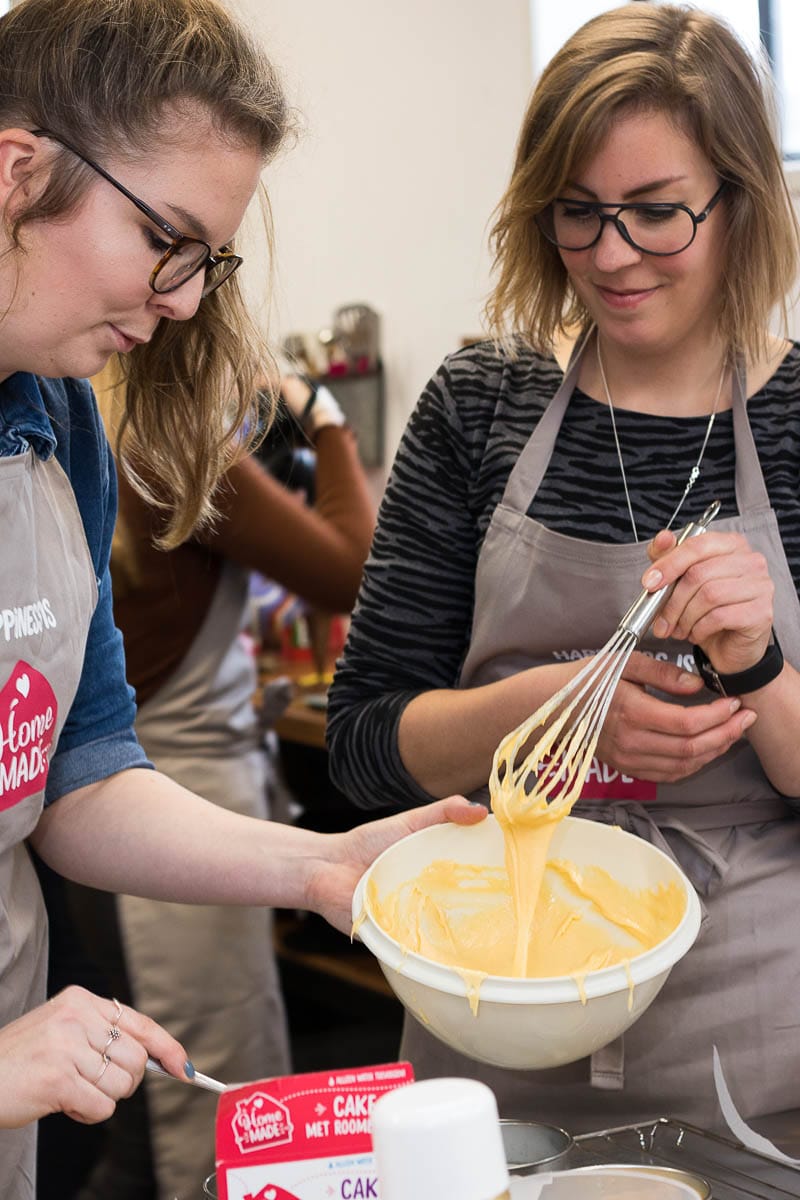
{"points": [[104, 74], [692, 67]]}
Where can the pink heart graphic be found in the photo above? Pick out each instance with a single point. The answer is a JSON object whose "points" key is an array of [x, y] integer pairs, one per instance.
{"points": [[271, 1192], [28, 721]]}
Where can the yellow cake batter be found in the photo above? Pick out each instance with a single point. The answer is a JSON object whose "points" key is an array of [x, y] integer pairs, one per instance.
{"points": [[463, 916], [535, 918]]}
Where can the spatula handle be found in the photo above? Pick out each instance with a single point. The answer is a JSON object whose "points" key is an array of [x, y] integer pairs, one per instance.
{"points": [[203, 1081]]}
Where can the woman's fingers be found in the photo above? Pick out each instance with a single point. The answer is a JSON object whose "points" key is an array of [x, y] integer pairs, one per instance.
{"points": [[670, 561], [454, 808], [110, 1077], [144, 1037], [675, 756], [652, 739], [331, 885], [714, 569], [661, 674], [736, 592], [88, 1104], [722, 598], [660, 544], [122, 1060], [78, 1054]]}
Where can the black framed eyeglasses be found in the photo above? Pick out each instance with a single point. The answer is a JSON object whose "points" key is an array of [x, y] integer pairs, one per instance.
{"points": [[654, 227], [185, 257]]}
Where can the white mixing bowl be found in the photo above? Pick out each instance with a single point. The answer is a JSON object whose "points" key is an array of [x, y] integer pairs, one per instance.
{"points": [[526, 1023]]}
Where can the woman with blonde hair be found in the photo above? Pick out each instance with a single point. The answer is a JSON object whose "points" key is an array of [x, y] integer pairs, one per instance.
{"points": [[648, 226], [133, 134]]}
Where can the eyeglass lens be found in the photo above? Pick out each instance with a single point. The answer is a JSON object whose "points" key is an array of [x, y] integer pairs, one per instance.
{"points": [[654, 230], [217, 273], [185, 261]]}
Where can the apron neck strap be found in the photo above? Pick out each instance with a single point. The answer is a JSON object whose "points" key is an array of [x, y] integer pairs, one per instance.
{"points": [[527, 474]]}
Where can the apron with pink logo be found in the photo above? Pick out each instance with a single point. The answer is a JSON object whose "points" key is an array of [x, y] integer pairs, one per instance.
{"points": [[48, 593], [541, 596]]}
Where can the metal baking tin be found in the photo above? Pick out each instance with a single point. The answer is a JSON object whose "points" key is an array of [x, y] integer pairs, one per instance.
{"points": [[700, 1187]]}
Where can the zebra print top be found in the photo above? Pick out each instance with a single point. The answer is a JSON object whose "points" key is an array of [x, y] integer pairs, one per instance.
{"points": [[412, 621]]}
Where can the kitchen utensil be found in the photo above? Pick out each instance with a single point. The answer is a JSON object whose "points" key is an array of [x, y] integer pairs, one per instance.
{"points": [[203, 1081], [581, 707], [357, 328], [521, 1022], [532, 1147], [613, 1182], [696, 1187], [732, 1171]]}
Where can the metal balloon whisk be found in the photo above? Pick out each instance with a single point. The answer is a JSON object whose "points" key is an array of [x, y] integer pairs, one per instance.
{"points": [[552, 773]]}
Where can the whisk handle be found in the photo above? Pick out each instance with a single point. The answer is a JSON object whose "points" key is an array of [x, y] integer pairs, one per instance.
{"points": [[643, 611]]}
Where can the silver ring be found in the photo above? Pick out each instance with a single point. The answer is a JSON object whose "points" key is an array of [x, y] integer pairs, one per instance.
{"points": [[113, 1034], [103, 1069], [118, 1013]]}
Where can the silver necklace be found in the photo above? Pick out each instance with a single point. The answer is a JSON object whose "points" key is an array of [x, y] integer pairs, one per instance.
{"points": [[694, 474]]}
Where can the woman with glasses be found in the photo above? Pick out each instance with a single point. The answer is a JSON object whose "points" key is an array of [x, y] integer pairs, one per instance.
{"points": [[201, 970], [642, 244], [133, 134]]}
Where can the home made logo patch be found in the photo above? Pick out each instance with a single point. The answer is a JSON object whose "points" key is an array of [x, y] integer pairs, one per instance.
{"points": [[602, 782], [28, 712], [260, 1121]]}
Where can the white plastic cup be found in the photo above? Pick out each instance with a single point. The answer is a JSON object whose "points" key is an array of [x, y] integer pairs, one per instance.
{"points": [[439, 1138]]}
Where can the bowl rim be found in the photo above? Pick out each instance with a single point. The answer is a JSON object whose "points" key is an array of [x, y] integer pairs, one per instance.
{"points": [[555, 989]]}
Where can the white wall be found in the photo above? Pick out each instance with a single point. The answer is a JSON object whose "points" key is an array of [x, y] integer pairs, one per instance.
{"points": [[411, 110]]}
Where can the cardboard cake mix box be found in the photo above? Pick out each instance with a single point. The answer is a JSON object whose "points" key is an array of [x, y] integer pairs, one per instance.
{"points": [[302, 1137]]}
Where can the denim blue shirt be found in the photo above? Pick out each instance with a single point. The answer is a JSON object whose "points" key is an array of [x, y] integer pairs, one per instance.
{"points": [[59, 416]]}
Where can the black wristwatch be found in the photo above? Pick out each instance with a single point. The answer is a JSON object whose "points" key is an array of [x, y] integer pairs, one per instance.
{"points": [[740, 682]]}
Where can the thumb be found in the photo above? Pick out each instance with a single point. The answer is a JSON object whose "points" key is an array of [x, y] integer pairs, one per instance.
{"points": [[662, 675], [454, 808], [660, 544]]}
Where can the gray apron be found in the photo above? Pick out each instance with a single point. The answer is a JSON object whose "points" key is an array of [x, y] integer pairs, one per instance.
{"points": [[47, 597], [208, 974], [541, 596]]}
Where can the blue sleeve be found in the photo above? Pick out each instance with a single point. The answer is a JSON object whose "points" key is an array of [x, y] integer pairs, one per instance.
{"points": [[98, 737]]}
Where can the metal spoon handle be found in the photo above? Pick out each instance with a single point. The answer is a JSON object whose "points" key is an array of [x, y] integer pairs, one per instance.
{"points": [[203, 1081]]}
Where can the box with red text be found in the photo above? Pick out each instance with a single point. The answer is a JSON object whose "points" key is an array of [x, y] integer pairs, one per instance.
{"points": [[302, 1137]]}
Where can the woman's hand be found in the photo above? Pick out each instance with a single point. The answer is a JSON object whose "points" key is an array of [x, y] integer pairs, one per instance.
{"points": [[64, 1056], [332, 884], [722, 599], [650, 738]]}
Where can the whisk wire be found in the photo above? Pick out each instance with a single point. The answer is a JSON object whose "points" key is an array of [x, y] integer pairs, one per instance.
{"points": [[588, 696], [558, 763]]}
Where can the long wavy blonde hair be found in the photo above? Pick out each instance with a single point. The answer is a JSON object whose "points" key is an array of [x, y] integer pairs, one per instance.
{"points": [[692, 67], [103, 74]]}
